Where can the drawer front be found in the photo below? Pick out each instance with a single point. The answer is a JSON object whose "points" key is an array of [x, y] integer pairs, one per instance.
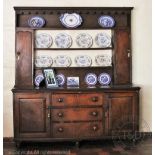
{"points": [[78, 130], [64, 100], [77, 114], [90, 99]]}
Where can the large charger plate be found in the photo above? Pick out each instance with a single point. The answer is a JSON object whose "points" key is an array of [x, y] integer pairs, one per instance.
{"points": [[103, 40], [83, 61], [43, 61], [62, 61], [84, 40], [43, 40], [63, 40], [70, 20]]}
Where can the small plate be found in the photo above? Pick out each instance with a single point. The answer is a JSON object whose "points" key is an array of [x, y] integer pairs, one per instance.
{"points": [[91, 79], [38, 79], [43, 61], [103, 60], [36, 22], [62, 61], [84, 40], [104, 79], [72, 20], [106, 21], [103, 40], [83, 61], [43, 40], [63, 40], [61, 79]]}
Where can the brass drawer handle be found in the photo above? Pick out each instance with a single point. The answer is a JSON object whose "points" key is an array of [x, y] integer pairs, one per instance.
{"points": [[94, 113], [60, 100], [95, 128], [60, 114], [95, 99], [60, 129]]}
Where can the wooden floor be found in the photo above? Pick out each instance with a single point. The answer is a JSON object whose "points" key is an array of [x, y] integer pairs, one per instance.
{"points": [[86, 148]]}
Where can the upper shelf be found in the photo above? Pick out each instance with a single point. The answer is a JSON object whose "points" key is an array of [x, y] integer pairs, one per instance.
{"points": [[89, 15]]}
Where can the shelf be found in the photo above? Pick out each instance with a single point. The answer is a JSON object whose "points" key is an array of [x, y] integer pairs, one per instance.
{"points": [[91, 67], [108, 48]]}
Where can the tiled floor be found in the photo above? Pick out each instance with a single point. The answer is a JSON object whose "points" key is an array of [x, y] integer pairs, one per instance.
{"points": [[86, 148]]}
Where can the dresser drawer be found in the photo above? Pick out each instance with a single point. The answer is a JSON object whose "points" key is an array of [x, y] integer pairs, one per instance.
{"points": [[79, 130], [90, 99], [77, 114], [64, 99]]}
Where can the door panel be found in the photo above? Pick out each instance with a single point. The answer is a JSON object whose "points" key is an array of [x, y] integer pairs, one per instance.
{"points": [[123, 112], [24, 58], [33, 114], [122, 60]]}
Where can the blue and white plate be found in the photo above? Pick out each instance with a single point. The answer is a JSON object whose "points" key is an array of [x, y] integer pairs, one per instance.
{"points": [[71, 20], [36, 22], [83, 61], [106, 21], [104, 79], [60, 79], [91, 79], [38, 79]]}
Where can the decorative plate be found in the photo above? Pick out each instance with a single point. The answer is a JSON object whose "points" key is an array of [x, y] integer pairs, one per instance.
{"points": [[43, 40], [72, 20], [104, 79], [106, 21], [73, 81], [83, 61], [61, 79], [84, 40], [38, 79], [103, 40], [43, 61], [62, 61], [103, 60], [63, 40], [36, 22], [91, 79]]}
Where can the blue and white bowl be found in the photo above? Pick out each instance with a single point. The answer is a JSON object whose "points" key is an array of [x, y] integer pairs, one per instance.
{"points": [[91, 79], [36, 22], [60, 79], [38, 79], [104, 79], [106, 21]]}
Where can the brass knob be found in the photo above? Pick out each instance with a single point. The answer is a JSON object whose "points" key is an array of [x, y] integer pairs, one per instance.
{"points": [[60, 129], [95, 99], [95, 128], [48, 115], [60, 114], [94, 113], [60, 100]]}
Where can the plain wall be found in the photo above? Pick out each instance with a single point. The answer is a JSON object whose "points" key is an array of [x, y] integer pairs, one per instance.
{"points": [[141, 51]]}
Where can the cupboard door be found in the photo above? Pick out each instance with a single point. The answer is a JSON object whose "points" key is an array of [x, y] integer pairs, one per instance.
{"points": [[24, 58], [122, 54], [31, 115], [123, 112]]}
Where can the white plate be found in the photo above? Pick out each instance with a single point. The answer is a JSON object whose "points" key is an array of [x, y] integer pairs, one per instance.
{"points": [[103, 60], [104, 79], [43, 40], [103, 40], [62, 61], [106, 21], [72, 20], [43, 61], [91, 79], [38, 79], [63, 40], [61, 79], [83, 61], [84, 40]]}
